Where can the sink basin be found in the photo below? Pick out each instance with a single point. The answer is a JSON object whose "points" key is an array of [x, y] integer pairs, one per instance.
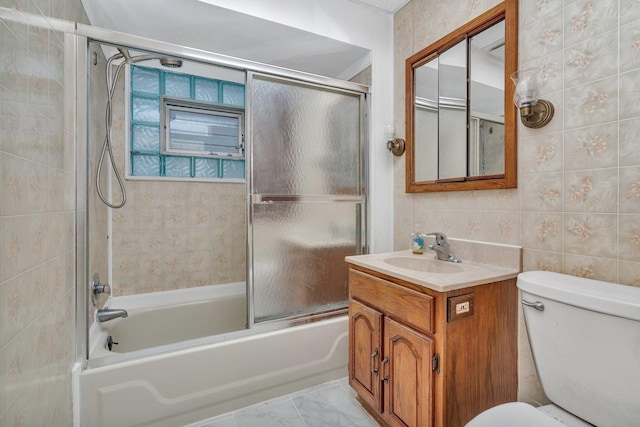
{"points": [[426, 265]]}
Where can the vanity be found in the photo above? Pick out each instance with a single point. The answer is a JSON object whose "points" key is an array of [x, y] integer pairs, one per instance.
{"points": [[434, 343]]}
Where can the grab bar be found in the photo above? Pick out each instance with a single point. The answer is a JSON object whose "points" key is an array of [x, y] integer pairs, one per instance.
{"points": [[537, 305]]}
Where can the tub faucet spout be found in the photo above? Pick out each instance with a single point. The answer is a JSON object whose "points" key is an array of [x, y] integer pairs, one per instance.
{"points": [[105, 314]]}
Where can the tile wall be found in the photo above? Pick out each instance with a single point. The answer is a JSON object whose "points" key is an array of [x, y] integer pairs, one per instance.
{"points": [[577, 207], [173, 234], [37, 220]]}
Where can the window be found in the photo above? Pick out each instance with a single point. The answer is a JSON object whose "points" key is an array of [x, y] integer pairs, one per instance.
{"points": [[203, 136], [202, 129]]}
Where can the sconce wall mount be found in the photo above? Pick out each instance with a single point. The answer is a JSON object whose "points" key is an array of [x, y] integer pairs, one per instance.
{"points": [[534, 112], [396, 146], [537, 115]]}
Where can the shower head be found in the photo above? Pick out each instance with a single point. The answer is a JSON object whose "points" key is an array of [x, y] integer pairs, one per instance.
{"points": [[164, 61], [170, 62]]}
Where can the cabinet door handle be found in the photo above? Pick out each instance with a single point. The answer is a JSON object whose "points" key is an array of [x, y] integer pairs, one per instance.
{"points": [[384, 363], [373, 362]]}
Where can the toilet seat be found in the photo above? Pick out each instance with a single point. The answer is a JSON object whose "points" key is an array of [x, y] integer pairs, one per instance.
{"points": [[515, 414]]}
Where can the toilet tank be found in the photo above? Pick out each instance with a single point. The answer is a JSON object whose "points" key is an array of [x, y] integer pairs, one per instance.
{"points": [[585, 339]]}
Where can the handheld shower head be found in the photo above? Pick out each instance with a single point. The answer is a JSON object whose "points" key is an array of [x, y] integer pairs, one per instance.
{"points": [[170, 62], [164, 61]]}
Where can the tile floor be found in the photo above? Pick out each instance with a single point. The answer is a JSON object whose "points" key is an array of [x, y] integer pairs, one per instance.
{"points": [[331, 404]]}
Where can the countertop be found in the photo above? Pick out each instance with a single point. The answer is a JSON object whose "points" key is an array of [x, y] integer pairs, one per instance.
{"points": [[467, 273]]}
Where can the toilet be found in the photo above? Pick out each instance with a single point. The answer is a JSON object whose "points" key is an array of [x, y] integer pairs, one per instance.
{"points": [[585, 339]]}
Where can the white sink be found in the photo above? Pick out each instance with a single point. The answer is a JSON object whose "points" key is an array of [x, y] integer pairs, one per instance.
{"points": [[426, 265], [444, 276]]}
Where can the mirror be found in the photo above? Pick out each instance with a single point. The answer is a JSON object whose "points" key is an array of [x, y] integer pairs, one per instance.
{"points": [[460, 136]]}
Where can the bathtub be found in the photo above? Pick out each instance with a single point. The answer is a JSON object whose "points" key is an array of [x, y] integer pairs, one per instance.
{"points": [[162, 382], [165, 318]]}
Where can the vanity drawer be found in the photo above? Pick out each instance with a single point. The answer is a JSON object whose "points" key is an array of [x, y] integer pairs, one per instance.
{"points": [[411, 307]]}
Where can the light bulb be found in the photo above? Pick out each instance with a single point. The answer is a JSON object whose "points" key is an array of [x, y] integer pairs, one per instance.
{"points": [[527, 92], [389, 133]]}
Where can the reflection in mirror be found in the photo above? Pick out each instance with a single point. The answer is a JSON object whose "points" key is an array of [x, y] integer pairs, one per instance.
{"points": [[452, 111], [486, 121], [460, 137], [426, 113]]}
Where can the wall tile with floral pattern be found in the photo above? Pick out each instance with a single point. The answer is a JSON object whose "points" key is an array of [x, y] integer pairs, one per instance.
{"points": [[590, 104], [591, 234], [542, 231], [629, 10], [630, 46], [541, 153], [545, 36], [590, 267], [588, 18], [630, 190], [630, 94], [591, 147], [591, 59], [591, 191], [629, 142], [542, 192], [629, 273]]}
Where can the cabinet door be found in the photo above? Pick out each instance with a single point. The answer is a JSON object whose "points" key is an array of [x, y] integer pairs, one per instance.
{"points": [[407, 377], [365, 340]]}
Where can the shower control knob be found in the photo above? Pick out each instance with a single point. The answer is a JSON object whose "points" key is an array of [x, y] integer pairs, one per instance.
{"points": [[98, 288]]}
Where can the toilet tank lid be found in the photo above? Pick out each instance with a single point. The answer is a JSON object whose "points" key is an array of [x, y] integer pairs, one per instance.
{"points": [[604, 297]]}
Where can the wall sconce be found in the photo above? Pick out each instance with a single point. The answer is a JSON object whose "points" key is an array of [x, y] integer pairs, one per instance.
{"points": [[395, 145], [534, 112]]}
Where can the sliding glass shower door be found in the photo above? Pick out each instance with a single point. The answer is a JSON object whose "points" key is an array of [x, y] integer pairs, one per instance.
{"points": [[307, 201]]}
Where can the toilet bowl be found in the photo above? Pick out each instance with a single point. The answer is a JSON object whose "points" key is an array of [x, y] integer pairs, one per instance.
{"points": [[519, 414], [584, 336]]}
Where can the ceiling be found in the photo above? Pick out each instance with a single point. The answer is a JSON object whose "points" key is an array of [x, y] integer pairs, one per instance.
{"points": [[390, 6], [201, 25]]}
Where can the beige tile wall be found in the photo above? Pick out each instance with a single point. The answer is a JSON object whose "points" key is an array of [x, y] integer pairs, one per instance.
{"points": [[37, 223], [577, 207], [171, 234]]}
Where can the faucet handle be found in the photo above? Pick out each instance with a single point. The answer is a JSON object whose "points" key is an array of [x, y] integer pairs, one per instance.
{"points": [[98, 288], [441, 238]]}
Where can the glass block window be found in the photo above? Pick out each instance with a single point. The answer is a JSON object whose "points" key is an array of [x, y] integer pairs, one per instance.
{"points": [[205, 126]]}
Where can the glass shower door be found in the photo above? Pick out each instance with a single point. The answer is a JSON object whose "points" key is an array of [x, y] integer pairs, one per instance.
{"points": [[307, 202]]}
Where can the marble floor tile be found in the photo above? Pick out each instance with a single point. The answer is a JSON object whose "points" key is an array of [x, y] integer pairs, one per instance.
{"points": [[331, 404], [332, 407], [272, 413]]}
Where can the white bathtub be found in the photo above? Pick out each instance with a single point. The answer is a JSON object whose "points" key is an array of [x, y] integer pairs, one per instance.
{"points": [[191, 384], [164, 318]]}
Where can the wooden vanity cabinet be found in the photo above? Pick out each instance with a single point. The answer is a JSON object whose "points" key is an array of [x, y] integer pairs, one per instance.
{"points": [[414, 362]]}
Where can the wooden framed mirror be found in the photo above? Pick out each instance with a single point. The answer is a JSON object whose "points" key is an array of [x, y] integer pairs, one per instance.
{"points": [[460, 116]]}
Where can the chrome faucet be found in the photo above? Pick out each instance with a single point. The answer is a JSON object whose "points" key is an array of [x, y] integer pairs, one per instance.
{"points": [[442, 248], [105, 314]]}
